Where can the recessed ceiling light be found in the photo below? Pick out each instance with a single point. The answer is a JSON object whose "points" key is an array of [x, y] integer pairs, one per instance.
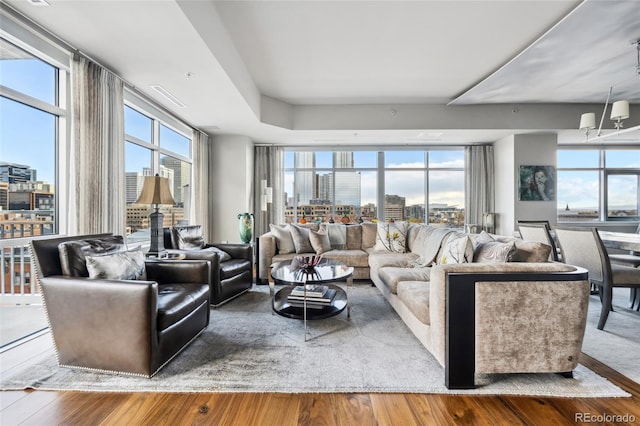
{"points": [[164, 92], [39, 2]]}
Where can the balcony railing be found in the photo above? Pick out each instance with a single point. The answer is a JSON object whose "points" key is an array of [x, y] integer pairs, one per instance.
{"points": [[17, 283]]}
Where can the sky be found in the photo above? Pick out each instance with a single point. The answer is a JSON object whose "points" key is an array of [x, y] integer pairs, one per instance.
{"points": [[27, 137]]}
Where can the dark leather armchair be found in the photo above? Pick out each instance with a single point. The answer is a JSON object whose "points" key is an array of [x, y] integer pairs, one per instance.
{"points": [[229, 278], [123, 326]]}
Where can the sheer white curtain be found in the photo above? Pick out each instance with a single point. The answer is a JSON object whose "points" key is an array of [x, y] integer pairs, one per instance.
{"points": [[479, 188], [96, 152], [201, 200], [269, 166]]}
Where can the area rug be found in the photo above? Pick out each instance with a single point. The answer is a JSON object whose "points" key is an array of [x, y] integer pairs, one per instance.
{"points": [[247, 348], [618, 344]]}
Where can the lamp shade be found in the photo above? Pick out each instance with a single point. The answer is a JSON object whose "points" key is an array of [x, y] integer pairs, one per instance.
{"points": [[620, 110], [588, 121], [155, 191]]}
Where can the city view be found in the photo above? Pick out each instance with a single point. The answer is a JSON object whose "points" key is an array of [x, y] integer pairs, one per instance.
{"points": [[328, 187]]}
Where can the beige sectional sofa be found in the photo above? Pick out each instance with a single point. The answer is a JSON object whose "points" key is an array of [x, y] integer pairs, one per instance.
{"points": [[505, 309]]}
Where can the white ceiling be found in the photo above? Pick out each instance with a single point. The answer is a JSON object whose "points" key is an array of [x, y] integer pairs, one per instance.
{"points": [[364, 72]]}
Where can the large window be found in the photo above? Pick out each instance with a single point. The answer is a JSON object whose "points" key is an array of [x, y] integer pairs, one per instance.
{"points": [[30, 114], [598, 184], [417, 186], [152, 147]]}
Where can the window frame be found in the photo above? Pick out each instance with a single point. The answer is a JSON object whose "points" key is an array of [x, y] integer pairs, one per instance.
{"points": [[380, 169], [603, 173], [59, 59], [160, 118]]}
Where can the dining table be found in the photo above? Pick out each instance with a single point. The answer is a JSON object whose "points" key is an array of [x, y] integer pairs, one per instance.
{"points": [[620, 240]]}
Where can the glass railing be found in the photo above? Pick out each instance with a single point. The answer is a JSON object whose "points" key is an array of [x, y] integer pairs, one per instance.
{"points": [[21, 310]]}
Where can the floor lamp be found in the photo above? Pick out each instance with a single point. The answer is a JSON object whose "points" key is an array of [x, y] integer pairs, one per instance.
{"points": [[156, 191]]}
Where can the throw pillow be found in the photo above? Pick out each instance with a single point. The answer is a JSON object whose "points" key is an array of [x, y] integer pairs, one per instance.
{"points": [[392, 237], [301, 240], [284, 240], [187, 237], [457, 249], [223, 255], [337, 235], [127, 265], [319, 241], [484, 237], [495, 252], [73, 253]]}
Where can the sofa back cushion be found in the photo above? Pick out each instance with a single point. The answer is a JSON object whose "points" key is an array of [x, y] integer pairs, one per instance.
{"points": [[73, 254], [369, 232], [337, 234], [354, 237], [188, 237]]}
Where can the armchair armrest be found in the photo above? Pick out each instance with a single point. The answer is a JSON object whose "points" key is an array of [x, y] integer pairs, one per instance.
{"points": [[518, 305], [196, 269], [236, 251], [111, 323]]}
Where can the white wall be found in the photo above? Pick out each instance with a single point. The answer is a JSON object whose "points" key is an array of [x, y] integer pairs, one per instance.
{"points": [[509, 154], [231, 178], [535, 150]]}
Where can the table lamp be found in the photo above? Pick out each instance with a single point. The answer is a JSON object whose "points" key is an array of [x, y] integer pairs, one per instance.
{"points": [[156, 191]]}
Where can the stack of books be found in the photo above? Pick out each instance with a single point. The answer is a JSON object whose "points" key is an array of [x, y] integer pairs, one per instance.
{"points": [[317, 296]]}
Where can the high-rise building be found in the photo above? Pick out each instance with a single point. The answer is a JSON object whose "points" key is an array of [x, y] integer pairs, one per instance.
{"points": [[14, 173], [181, 176], [305, 181], [394, 206]]}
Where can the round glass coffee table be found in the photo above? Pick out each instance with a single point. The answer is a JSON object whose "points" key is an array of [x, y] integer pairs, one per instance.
{"points": [[327, 272]]}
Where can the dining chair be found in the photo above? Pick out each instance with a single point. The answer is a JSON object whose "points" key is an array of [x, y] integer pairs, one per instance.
{"points": [[629, 259], [539, 232], [583, 247]]}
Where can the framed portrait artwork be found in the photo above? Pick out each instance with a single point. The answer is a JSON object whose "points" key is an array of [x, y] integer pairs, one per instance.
{"points": [[537, 183]]}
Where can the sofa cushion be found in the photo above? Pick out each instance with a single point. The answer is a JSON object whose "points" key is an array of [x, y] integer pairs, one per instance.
{"points": [[337, 233], [319, 241], [392, 236], [176, 301], [415, 296], [355, 258], [284, 240], [125, 265], [301, 240], [457, 248], [391, 276], [354, 237], [188, 237], [378, 259], [494, 252], [369, 232], [73, 254]]}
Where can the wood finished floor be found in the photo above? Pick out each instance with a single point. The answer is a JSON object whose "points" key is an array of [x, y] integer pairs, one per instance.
{"points": [[88, 408]]}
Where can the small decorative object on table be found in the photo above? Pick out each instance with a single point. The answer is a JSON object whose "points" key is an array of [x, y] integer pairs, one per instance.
{"points": [[308, 262]]}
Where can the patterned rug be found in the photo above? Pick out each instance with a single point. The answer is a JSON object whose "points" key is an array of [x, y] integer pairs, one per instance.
{"points": [[247, 348]]}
